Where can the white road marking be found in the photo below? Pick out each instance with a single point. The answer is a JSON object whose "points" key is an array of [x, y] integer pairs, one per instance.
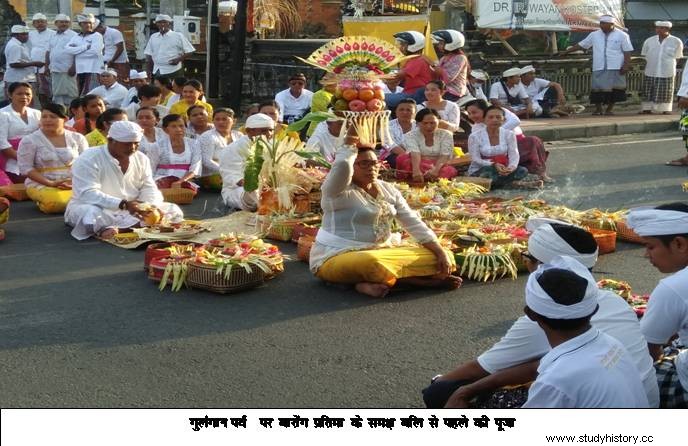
{"points": [[618, 143]]}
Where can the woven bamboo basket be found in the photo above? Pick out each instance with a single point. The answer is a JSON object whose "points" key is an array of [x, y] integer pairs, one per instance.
{"points": [[178, 195], [314, 198], [606, 240], [626, 234], [460, 161], [156, 269], [303, 229], [205, 277], [303, 250], [484, 182], [16, 192]]}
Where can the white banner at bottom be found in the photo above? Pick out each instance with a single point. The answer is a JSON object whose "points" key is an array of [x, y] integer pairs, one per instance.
{"points": [[171, 427]]}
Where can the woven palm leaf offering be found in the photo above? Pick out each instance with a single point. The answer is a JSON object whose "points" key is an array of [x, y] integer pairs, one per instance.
{"points": [[226, 264], [357, 64], [274, 168]]}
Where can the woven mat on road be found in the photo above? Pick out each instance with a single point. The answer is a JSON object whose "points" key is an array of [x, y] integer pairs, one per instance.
{"points": [[238, 222]]}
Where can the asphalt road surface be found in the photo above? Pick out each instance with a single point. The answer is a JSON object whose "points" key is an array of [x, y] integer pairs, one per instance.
{"points": [[80, 325]]}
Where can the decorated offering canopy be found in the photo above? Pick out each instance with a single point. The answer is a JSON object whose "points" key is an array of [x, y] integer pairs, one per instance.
{"points": [[545, 15], [357, 65]]}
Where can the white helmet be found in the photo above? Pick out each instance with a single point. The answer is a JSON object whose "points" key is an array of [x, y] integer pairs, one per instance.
{"points": [[414, 39], [453, 40]]}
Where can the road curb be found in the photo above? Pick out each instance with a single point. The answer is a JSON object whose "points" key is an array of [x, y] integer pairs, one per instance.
{"points": [[590, 130]]}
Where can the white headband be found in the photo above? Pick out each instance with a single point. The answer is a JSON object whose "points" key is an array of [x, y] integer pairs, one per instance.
{"points": [[545, 244], [260, 121], [648, 222], [541, 302], [125, 131]]}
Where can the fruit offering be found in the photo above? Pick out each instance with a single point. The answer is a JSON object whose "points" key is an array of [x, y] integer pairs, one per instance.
{"points": [[358, 64]]}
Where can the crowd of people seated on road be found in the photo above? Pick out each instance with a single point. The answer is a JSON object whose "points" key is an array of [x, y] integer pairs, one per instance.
{"points": [[104, 159]]}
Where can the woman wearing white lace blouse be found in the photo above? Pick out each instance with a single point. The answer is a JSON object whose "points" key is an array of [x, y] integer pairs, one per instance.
{"points": [[46, 156], [354, 245], [494, 152], [212, 143], [450, 114], [428, 149], [175, 160], [147, 118], [16, 121], [404, 123]]}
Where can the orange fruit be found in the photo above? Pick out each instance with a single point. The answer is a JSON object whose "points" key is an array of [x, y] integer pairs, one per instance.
{"points": [[350, 94], [379, 94], [366, 95]]}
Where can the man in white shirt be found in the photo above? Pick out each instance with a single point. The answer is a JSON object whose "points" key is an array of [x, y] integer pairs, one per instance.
{"points": [[664, 231], [295, 101], [115, 51], [327, 138], [525, 341], [611, 58], [510, 94], [586, 368], [547, 94], [112, 92], [60, 64], [39, 39], [113, 186], [166, 50], [87, 47], [19, 66], [660, 52], [476, 84], [233, 163]]}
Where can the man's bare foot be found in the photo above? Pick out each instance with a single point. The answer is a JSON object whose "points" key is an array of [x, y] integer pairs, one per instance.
{"points": [[546, 178], [107, 234], [378, 290]]}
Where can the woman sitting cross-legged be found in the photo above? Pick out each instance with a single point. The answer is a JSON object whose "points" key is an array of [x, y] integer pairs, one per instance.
{"points": [[531, 150], [428, 149], [494, 153], [175, 160], [46, 156], [212, 143], [354, 244]]}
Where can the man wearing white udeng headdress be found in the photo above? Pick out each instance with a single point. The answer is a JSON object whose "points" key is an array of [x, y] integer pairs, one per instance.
{"points": [[111, 184], [166, 50], [664, 231], [586, 368], [660, 52], [233, 163], [525, 341]]}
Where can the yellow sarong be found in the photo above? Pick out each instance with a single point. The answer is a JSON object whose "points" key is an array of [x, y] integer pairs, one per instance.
{"points": [[50, 200], [384, 265], [211, 182]]}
